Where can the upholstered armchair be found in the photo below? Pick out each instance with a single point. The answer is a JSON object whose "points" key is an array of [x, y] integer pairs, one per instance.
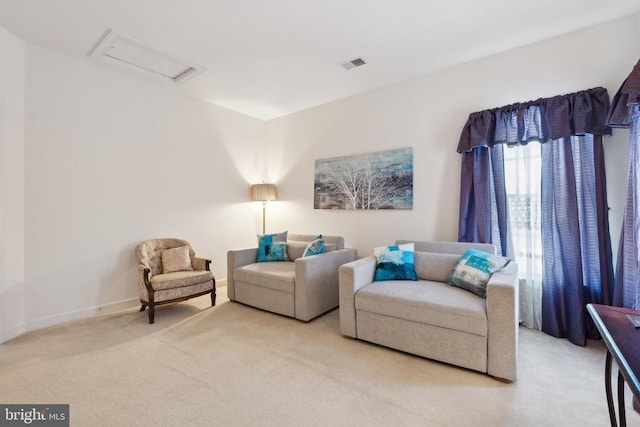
{"points": [[169, 271], [303, 287]]}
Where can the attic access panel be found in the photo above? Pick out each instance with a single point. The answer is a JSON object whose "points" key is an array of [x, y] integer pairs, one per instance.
{"points": [[117, 48]]}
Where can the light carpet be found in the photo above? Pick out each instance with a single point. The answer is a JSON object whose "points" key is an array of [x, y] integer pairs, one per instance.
{"points": [[233, 365]]}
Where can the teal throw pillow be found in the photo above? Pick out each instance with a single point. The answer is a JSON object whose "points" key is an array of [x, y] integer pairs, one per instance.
{"points": [[272, 247], [315, 246], [396, 262], [474, 269]]}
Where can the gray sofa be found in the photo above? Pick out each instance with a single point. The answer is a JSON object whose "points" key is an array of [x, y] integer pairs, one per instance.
{"points": [[432, 319], [303, 288]]}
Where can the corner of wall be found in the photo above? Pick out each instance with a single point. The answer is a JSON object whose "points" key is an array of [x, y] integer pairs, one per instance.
{"points": [[12, 294]]}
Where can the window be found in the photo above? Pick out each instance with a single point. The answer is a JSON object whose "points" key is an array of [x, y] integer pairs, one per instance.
{"points": [[522, 165]]}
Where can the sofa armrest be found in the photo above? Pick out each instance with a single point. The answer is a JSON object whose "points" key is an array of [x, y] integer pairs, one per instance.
{"points": [[200, 264], [353, 276], [316, 290], [502, 323], [237, 258]]}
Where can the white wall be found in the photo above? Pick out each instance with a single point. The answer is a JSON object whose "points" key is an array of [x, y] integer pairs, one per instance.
{"points": [[114, 158], [428, 115], [11, 186]]}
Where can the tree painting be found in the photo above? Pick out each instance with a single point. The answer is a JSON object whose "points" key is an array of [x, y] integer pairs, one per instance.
{"points": [[381, 180]]}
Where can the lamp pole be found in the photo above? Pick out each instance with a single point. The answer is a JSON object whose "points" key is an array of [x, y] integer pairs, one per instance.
{"points": [[263, 192]]}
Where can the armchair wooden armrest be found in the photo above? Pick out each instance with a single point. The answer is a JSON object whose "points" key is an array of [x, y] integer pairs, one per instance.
{"points": [[201, 264]]}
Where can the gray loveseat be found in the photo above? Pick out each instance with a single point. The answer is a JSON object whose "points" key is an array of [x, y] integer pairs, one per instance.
{"points": [[432, 319], [303, 288]]}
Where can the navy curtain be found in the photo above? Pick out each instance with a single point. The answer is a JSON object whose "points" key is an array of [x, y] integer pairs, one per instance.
{"points": [[576, 243], [627, 285], [625, 113], [483, 202]]}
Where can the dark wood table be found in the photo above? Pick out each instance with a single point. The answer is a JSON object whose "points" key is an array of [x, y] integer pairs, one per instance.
{"points": [[623, 345]]}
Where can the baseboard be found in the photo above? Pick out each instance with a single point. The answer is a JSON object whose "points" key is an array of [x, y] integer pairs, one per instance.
{"points": [[12, 332], [56, 319]]}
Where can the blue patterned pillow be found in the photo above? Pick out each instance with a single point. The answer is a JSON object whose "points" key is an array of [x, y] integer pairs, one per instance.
{"points": [[272, 247], [474, 269], [396, 262], [316, 246]]}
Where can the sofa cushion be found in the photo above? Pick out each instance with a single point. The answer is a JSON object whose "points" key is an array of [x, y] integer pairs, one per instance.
{"points": [[328, 247], [474, 269], [179, 279], [395, 262], [272, 247], [273, 275], [182, 292], [176, 259], [434, 266], [295, 249], [432, 303]]}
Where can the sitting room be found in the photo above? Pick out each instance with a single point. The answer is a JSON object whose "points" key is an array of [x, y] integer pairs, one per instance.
{"points": [[279, 151]]}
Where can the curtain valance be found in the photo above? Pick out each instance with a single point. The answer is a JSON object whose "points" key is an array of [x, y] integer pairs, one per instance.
{"points": [[544, 119], [626, 100]]}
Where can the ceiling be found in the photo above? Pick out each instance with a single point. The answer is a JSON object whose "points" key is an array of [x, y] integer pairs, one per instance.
{"points": [[268, 58]]}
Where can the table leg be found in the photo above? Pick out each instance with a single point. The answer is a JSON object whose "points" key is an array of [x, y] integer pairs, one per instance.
{"points": [[621, 410], [607, 386]]}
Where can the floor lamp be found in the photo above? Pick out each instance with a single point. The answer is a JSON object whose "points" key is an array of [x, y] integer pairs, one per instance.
{"points": [[263, 193]]}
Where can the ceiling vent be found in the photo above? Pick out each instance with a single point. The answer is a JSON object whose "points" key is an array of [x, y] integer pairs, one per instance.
{"points": [[353, 63], [115, 47]]}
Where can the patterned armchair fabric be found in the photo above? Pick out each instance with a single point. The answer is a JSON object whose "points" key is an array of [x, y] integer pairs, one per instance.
{"points": [[156, 287]]}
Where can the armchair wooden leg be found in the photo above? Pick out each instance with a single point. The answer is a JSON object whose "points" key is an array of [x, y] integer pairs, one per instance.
{"points": [[142, 307], [152, 312], [213, 292]]}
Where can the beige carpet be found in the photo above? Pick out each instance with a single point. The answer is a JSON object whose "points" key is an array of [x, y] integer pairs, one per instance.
{"points": [[237, 366]]}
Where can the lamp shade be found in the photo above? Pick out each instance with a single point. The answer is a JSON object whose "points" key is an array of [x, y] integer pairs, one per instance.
{"points": [[263, 192]]}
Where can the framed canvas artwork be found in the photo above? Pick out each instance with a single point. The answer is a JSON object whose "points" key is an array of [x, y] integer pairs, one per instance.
{"points": [[380, 180]]}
